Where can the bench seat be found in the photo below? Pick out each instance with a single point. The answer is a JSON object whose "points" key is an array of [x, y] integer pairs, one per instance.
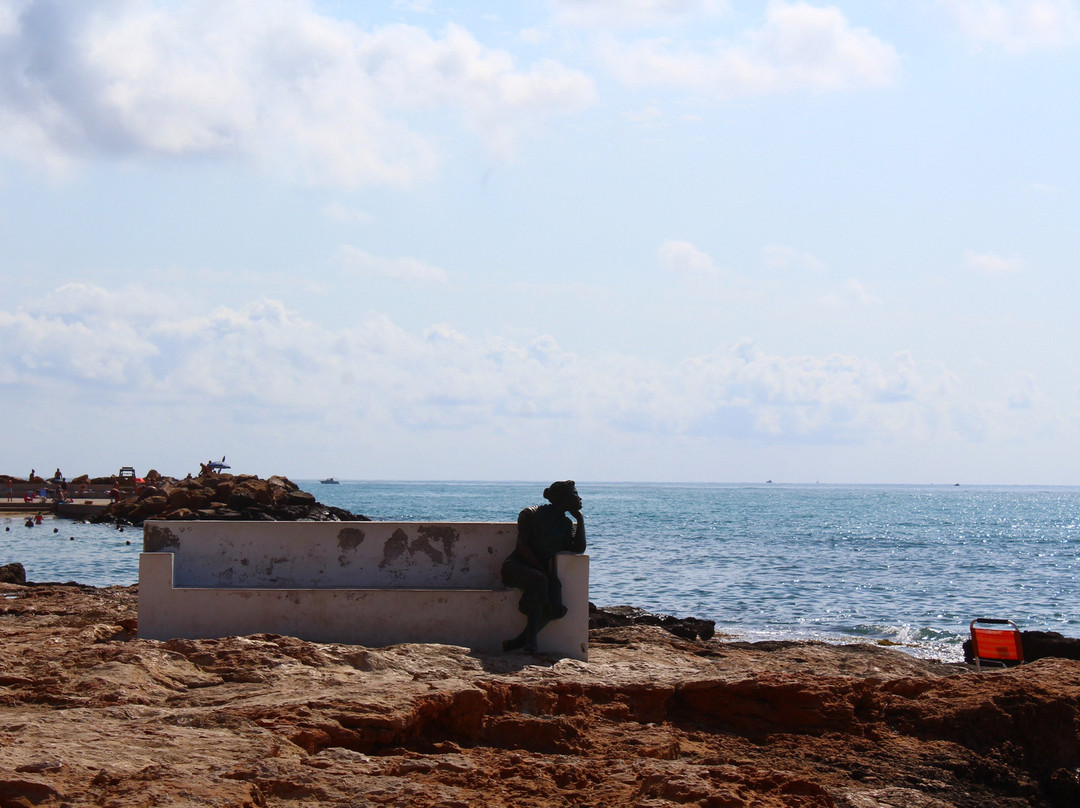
{"points": [[363, 583]]}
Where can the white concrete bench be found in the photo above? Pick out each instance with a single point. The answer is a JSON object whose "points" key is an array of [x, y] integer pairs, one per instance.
{"points": [[362, 583]]}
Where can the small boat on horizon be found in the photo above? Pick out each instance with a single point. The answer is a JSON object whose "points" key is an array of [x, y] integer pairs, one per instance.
{"points": [[329, 481]]}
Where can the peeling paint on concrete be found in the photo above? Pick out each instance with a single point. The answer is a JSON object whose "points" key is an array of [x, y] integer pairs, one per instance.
{"points": [[435, 542], [349, 538], [457, 555], [445, 535], [394, 548], [422, 544], [159, 539]]}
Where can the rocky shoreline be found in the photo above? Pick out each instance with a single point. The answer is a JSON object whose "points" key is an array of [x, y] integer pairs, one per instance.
{"points": [[221, 497], [92, 715]]}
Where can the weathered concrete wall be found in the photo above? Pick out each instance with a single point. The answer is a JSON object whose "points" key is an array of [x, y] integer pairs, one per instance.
{"points": [[367, 583], [327, 555]]}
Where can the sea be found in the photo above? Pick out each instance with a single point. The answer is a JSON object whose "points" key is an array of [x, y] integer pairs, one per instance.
{"points": [[886, 564]]}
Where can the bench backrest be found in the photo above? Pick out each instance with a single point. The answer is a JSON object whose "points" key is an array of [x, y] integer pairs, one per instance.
{"points": [[321, 555]]}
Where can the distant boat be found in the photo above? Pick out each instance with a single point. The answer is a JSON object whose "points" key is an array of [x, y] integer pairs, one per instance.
{"points": [[329, 481]]}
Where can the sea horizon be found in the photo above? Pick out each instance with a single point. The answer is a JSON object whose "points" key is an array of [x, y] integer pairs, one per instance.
{"points": [[902, 564]]}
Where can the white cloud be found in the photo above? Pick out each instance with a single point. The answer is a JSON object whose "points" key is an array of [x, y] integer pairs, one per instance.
{"points": [[1025, 393], [992, 264], [684, 258], [780, 257], [800, 47], [347, 215], [1044, 188], [75, 333], [852, 292], [533, 35], [833, 399], [274, 82], [262, 370], [651, 116], [1018, 26], [633, 13], [416, 6], [9, 17], [405, 269]]}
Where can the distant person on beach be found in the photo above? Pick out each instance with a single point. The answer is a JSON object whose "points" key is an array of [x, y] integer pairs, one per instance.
{"points": [[543, 531]]}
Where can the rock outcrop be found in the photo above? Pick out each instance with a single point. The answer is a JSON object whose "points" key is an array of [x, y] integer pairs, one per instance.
{"points": [[92, 715], [689, 628], [221, 496]]}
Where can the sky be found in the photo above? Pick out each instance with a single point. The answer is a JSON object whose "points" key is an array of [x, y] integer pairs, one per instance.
{"points": [[608, 240]]}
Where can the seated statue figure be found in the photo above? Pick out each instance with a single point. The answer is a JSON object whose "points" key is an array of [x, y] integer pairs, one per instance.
{"points": [[543, 531]]}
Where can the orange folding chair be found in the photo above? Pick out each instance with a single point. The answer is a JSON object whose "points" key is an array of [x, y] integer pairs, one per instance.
{"points": [[995, 642]]}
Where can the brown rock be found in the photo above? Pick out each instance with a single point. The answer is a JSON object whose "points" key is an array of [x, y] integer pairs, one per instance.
{"points": [[148, 508], [650, 720], [181, 513], [284, 483], [13, 573], [190, 497], [690, 628], [250, 492], [302, 498], [222, 496], [223, 486]]}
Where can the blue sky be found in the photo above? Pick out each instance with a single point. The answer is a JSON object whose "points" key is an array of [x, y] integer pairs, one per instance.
{"points": [[636, 240]]}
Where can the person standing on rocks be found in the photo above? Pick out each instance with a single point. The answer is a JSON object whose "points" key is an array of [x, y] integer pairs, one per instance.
{"points": [[543, 531]]}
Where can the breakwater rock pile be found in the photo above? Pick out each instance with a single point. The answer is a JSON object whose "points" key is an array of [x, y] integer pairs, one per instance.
{"points": [[92, 715], [223, 497]]}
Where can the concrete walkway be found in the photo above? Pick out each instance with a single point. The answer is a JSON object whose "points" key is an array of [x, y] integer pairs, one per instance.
{"points": [[80, 509]]}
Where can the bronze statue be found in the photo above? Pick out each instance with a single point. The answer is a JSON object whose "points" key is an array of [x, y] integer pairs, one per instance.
{"points": [[543, 531]]}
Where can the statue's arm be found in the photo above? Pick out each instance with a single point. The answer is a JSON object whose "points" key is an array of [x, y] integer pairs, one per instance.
{"points": [[577, 542]]}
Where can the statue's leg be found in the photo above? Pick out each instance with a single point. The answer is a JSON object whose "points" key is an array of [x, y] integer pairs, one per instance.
{"points": [[534, 592], [555, 608], [532, 628]]}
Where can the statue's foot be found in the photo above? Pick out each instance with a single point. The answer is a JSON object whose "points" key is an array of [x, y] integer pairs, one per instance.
{"points": [[515, 643], [530, 639]]}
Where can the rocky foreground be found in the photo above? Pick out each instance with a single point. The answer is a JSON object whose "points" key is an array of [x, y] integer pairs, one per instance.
{"points": [[92, 715]]}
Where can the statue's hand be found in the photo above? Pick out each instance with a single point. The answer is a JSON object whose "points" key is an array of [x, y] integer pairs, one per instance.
{"points": [[577, 515]]}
